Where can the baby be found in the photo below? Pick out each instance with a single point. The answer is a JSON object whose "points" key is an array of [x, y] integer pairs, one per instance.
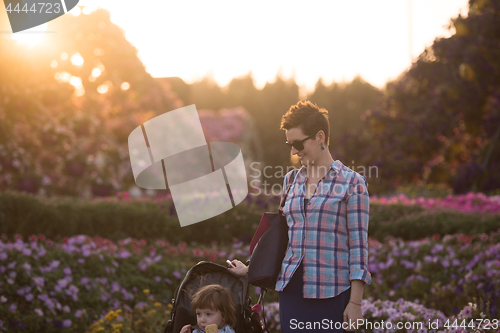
{"points": [[213, 305]]}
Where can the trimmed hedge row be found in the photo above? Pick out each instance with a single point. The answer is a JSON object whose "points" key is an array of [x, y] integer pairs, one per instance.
{"points": [[116, 219]]}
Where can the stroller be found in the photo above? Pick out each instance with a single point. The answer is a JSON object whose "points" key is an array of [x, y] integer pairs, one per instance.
{"points": [[205, 273]]}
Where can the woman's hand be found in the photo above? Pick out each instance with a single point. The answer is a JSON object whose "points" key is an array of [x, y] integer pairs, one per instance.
{"points": [[240, 268], [186, 329], [352, 314]]}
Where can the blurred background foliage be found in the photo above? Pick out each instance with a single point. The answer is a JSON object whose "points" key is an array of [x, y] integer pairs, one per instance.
{"points": [[65, 114]]}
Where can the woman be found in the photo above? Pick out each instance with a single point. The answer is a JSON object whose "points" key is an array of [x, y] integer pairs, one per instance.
{"points": [[324, 270]]}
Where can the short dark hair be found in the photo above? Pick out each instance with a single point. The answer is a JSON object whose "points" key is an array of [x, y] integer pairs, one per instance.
{"points": [[216, 297], [308, 117]]}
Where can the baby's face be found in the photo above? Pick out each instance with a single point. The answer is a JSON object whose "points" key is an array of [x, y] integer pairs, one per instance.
{"points": [[206, 317]]}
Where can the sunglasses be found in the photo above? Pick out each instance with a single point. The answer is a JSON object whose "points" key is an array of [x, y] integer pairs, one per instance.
{"points": [[299, 145]]}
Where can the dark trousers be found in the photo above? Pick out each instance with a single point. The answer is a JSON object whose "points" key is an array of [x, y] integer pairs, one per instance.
{"points": [[298, 314]]}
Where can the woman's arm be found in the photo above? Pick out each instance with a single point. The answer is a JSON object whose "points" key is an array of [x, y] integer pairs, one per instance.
{"points": [[358, 210], [357, 288], [357, 224]]}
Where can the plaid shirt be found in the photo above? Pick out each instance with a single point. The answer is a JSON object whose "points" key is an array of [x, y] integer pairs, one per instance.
{"points": [[332, 241]]}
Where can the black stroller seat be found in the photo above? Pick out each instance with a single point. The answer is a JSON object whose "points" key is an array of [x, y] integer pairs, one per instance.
{"points": [[205, 273]]}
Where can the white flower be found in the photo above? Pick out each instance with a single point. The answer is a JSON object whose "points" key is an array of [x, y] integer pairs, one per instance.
{"points": [[473, 306]]}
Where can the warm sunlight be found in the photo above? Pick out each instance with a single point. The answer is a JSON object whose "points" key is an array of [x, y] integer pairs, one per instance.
{"points": [[31, 36], [335, 40]]}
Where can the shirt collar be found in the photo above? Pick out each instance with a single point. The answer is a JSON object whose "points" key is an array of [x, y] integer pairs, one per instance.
{"points": [[337, 166]]}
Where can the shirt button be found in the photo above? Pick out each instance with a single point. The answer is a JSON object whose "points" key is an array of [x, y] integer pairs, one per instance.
{"points": [[303, 237], [310, 203]]}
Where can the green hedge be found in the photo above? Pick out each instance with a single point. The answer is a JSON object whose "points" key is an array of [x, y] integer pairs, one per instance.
{"points": [[115, 219]]}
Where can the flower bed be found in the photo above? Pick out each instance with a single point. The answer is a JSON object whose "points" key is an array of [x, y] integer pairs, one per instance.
{"points": [[74, 284], [405, 316], [434, 270], [66, 285], [469, 203]]}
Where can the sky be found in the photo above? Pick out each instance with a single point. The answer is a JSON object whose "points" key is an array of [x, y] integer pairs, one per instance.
{"points": [[333, 40]]}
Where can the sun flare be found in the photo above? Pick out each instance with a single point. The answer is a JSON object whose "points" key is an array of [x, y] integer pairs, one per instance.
{"points": [[31, 36]]}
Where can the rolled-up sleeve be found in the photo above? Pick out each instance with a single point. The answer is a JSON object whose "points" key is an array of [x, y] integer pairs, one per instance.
{"points": [[358, 209]]}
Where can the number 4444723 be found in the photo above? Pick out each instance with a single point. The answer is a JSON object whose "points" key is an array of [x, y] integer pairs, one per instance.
{"points": [[473, 323], [35, 8]]}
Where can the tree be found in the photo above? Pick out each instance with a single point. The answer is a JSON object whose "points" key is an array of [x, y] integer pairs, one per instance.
{"points": [[439, 122], [73, 105]]}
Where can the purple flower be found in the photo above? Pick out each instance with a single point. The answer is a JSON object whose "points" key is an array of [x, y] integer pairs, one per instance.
{"points": [[86, 250], [81, 261], [42, 252], [13, 274], [157, 279], [67, 271], [445, 263], [73, 289], [167, 280], [66, 309], [124, 254], [143, 266], [3, 256], [466, 312], [39, 312], [12, 307], [78, 239], [3, 299], [11, 265], [78, 313], [29, 297], [115, 287], [62, 283], [437, 248], [49, 303], [84, 280], [54, 264], [21, 292], [27, 252], [27, 267], [140, 305], [39, 281], [2, 269], [177, 275]]}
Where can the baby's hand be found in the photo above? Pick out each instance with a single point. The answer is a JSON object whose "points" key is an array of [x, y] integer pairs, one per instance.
{"points": [[186, 329], [240, 268]]}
